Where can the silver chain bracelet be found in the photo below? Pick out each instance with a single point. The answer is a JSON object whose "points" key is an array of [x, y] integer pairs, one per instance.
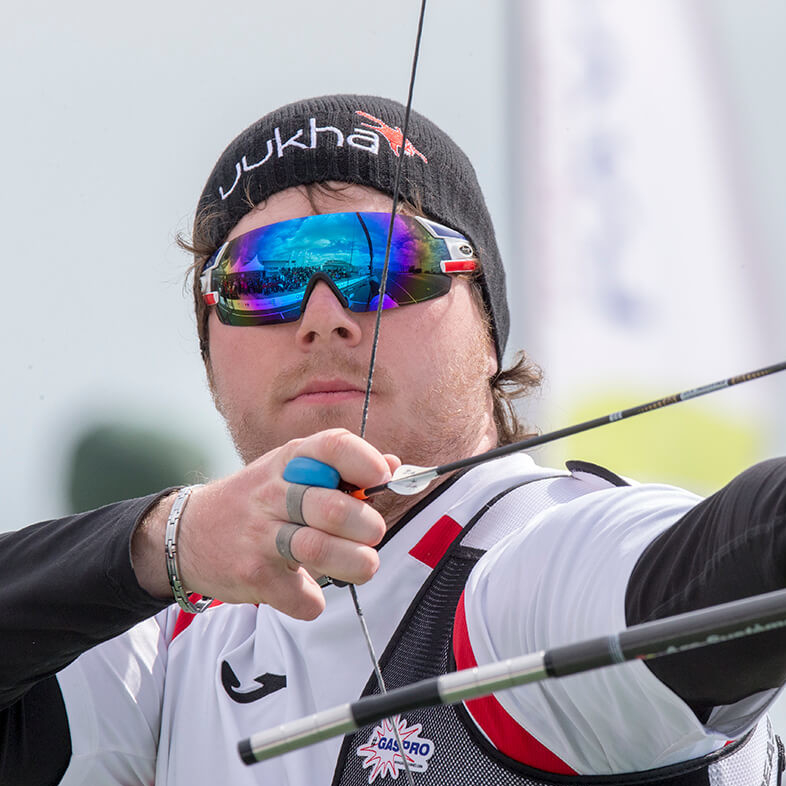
{"points": [[170, 551]]}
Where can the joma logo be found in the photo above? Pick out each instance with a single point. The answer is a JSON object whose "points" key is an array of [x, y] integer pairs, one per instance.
{"points": [[267, 683]]}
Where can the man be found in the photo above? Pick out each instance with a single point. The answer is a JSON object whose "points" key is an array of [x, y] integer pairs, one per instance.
{"points": [[104, 681]]}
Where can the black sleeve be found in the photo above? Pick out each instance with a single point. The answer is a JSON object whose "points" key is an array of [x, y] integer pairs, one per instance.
{"points": [[66, 586], [35, 741], [730, 546]]}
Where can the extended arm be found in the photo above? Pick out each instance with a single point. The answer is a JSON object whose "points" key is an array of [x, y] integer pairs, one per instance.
{"points": [[730, 546], [67, 585], [621, 556]]}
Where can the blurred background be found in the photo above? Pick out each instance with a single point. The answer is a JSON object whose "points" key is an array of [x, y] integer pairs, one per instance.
{"points": [[631, 154]]}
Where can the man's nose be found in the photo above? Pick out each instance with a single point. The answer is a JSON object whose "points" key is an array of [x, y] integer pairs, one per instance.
{"points": [[325, 319]]}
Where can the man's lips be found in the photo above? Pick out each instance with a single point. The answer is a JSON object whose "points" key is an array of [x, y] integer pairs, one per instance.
{"points": [[327, 391]]}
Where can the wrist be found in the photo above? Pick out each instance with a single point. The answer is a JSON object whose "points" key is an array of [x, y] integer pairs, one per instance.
{"points": [[172, 557], [147, 549]]}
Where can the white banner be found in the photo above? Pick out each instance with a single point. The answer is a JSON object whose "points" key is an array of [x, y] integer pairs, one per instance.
{"points": [[640, 273]]}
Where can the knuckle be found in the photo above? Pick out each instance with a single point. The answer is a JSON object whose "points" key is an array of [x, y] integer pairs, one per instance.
{"points": [[309, 611], [290, 446], [333, 509], [338, 441], [367, 564], [370, 526], [247, 570], [379, 531], [312, 546], [268, 494]]}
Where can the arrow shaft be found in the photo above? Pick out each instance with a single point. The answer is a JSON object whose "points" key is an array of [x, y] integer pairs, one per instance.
{"points": [[587, 425]]}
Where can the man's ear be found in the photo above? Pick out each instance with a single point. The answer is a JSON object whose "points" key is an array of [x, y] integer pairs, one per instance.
{"points": [[492, 366]]}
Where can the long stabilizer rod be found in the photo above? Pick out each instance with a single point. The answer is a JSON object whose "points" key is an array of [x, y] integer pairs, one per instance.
{"points": [[682, 632]]}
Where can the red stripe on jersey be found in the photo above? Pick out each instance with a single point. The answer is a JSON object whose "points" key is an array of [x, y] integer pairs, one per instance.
{"points": [[184, 619], [505, 734], [433, 545]]}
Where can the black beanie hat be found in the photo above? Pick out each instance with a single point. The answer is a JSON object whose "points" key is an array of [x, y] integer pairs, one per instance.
{"points": [[357, 139]]}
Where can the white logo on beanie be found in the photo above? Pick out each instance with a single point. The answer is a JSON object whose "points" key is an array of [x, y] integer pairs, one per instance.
{"points": [[367, 139]]}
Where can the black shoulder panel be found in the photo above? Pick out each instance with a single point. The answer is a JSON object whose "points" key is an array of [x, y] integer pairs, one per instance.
{"points": [[594, 469]]}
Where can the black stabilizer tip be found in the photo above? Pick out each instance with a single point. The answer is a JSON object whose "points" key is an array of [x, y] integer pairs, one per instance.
{"points": [[246, 753]]}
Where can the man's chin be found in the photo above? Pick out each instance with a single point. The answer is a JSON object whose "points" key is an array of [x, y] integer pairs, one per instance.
{"points": [[253, 439], [307, 421]]}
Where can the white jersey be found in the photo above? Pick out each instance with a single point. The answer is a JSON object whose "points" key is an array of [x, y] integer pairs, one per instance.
{"points": [[167, 702]]}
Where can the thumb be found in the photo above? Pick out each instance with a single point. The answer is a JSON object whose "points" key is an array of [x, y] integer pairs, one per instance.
{"points": [[394, 462]]}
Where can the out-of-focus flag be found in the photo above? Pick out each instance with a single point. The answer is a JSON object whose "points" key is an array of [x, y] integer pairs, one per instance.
{"points": [[639, 272]]}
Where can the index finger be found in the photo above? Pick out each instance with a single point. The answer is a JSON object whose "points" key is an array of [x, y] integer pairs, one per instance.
{"points": [[357, 461]]}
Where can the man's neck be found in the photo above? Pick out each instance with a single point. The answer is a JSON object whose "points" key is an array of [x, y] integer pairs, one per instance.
{"points": [[394, 507]]}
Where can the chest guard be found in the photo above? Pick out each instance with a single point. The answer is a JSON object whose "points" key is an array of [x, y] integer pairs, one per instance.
{"points": [[445, 745]]}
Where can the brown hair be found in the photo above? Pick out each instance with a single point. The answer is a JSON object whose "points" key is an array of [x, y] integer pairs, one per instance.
{"points": [[507, 385]]}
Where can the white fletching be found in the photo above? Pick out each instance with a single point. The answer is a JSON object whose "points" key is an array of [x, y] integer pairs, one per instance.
{"points": [[409, 479]]}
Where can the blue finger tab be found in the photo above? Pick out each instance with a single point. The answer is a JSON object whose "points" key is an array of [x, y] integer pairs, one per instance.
{"points": [[310, 472]]}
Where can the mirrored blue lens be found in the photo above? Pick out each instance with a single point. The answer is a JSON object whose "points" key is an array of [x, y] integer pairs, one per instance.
{"points": [[261, 277]]}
